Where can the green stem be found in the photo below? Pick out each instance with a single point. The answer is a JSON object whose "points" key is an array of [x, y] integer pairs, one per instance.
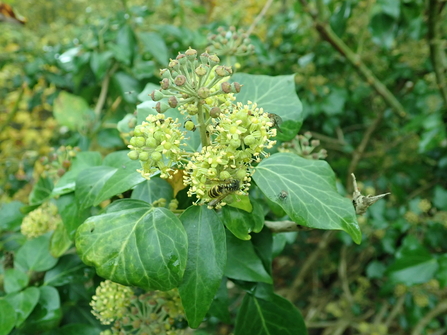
{"points": [[437, 55], [202, 126], [329, 35]]}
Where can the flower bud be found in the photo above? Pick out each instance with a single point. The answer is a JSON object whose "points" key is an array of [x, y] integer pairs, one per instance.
{"points": [[203, 92], [156, 156], [315, 143], [60, 172], [181, 59], [249, 140], [164, 73], [215, 112], [226, 87], [151, 142], [224, 175], [165, 83], [214, 60], [132, 155], [144, 156], [202, 70], [174, 64], [157, 95], [161, 107], [235, 87], [173, 102], [221, 71], [180, 80], [191, 54], [204, 58], [189, 125]]}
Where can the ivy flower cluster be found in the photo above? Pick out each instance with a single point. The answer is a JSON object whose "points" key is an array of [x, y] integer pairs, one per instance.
{"points": [[233, 136], [153, 312], [41, 220], [303, 146]]}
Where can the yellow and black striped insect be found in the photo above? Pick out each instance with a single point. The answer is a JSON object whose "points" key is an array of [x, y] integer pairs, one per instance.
{"points": [[220, 191]]}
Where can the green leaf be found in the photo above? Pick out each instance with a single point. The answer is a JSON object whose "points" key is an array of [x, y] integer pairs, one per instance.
{"points": [[72, 111], [263, 244], [241, 202], [219, 307], [383, 28], [267, 317], [78, 328], [414, 264], [82, 161], [206, 261], [41, 191], [441, 275], [126, 40], [153, 190], [23, 303], [7, 317], [133, 243], [392, 8], [69, 269], [60, 241], [100, 63], [71, 216], [312, 199], [154, 44], [124, 83], [243, 263], [340, 16], [34, 255], [275, 95], [15, 280], [47, 313], [240, 222], [11, 215], [90, 183]]}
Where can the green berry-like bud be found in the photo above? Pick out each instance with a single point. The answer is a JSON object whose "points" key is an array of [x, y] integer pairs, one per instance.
{"points": [[191, 54], [165, 84], [249, 140], [221, 71], [151, 142], [181, 59], [161, 107], [224, 175], [202, 70], [156, 156], [235, 143], [139, 141], [144, 156], [167, 145], [164, 73], [240, 174], [174, 64], [158, 135], [180, 80], [203, 92], [138, 130], [215, 112], [189, 125], [173, 102], [133, 155], [235, 87], [226, 87], [157, 95], [204, 58], [214, 60]]}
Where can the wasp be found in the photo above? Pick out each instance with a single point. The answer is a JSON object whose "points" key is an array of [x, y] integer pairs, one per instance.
{"points": [[220, 191]]}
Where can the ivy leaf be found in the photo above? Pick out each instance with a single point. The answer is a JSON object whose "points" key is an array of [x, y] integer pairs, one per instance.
{"points": [[34, 255], [153, 190], [7, 317], [243, 263], [72, 111], [207, 256], [275, 95], [14, 280], [133, 243], [265, 317], [41, 191], [23, 303], [240, 222], [311, 198]]}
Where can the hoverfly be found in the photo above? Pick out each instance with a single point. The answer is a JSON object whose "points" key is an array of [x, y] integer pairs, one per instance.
{"points": [[220, 191], [276, 120]]}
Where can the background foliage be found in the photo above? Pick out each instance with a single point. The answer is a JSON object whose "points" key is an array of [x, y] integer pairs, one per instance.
{"points": [[371, 77]]}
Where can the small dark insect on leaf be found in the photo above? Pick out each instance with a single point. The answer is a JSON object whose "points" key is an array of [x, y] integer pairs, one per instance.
{"points": [[129, 92], [276, 120], [91, 230], [283, 195]]}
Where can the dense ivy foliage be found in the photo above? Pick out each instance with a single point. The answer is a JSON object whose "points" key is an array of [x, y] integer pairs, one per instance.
{"points": [[370, 75]]}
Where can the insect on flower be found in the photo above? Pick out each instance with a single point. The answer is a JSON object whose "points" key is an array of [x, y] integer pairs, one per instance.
{"points": [[220, 191], [276, 120]]}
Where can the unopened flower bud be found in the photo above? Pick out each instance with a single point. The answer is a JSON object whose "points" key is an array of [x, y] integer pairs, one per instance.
{"points": [[221, 71], [165, 83], [226, 87], [315, 143], [157, 95], [161, 107], [132, 155], [181, 59], [174, 64], [144, 156], [173, 102], [202, 70], [214, 60], [189, 125], [215, 112], [249, 140], [151, 142], [203, 92], [180, 80], [204, 58], [156, 156], [60, 172], [236, 87], [164, 73], [191, 54]]}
